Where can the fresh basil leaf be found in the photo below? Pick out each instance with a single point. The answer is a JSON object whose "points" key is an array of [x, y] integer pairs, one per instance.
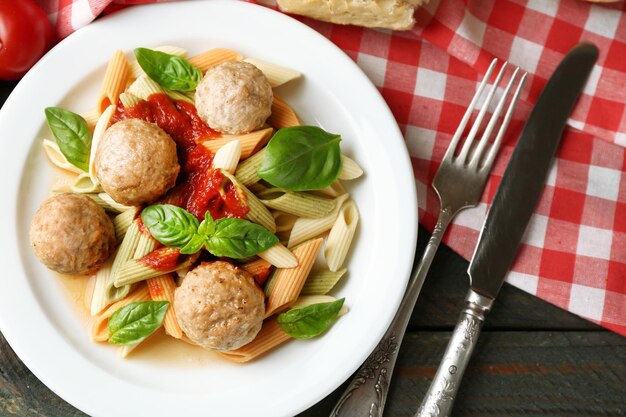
{"points": [[194, 245], [134, 322], [301, 158], [169, 71], [72, 135], [207, 227], [309, 321], [171, 225], [237, 238]]}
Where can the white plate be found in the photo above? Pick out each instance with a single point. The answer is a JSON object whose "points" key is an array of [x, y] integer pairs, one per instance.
{"points": [[44, 328]]}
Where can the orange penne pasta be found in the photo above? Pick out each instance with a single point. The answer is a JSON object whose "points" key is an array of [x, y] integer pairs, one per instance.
{"points": [[162, 289], [250, 142], [115, 81], [288, 282], [270, 336], [259, 269], [282, 114], [207, 59], [99, 329]]}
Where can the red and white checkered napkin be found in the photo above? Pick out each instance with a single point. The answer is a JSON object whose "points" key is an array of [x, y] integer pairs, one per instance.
{"points": [[574, 252]]}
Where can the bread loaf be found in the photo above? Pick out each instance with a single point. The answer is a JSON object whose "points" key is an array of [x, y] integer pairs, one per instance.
{"points": [[389, 14]]}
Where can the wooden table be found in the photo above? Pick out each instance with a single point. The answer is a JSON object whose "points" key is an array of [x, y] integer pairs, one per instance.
{"points": [[532, 358]]}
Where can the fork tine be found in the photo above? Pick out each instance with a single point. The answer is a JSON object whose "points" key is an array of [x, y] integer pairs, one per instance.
{"points": [[459, 131], [478, 153], [505, 125], [463, 155]]}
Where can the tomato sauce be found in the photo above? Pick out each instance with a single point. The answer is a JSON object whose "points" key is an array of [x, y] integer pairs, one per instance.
{"points": [[199, 188], [163, 259]]}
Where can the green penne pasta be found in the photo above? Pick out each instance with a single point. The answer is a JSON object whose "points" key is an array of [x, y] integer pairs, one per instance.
{"points": [[122, 222], [177, 95], [296, 203], [129, 100], [320, 283], [258, 213], [247, 170], [144, 87], [84, 185]]}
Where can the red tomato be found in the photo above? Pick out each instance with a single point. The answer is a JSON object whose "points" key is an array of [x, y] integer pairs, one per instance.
{"points": [[25, 35]]}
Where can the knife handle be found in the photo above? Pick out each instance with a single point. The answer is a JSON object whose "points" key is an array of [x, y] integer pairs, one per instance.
{"points": [[445, 385]]}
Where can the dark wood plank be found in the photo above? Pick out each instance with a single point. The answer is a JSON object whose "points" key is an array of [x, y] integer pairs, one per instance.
{"points": [[515, 374]]}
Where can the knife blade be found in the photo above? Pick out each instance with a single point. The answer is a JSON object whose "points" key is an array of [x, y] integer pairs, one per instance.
{"points": [[526, 172], [507, 218]]}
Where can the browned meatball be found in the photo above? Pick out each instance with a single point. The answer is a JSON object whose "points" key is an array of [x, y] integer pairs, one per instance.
{"points": [[219, 306], [71, 234], [136, 162], [234, 97]]}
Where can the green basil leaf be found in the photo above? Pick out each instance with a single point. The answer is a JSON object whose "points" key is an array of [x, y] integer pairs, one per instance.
{"points": [[72, 135], [169, 71], [134, 322], [237, 238], [171, 225], [301, 158], [207, 227], [194, 245], [309, 321]]}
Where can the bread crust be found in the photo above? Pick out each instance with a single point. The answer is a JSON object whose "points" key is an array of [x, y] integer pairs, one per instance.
{"points": [[388, 14]]}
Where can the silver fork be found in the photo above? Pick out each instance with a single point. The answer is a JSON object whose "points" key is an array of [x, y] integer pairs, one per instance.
{"points": [[459, 183]]}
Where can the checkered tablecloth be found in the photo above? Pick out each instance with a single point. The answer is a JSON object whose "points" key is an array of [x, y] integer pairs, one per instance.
{"points": [[574, 252]]}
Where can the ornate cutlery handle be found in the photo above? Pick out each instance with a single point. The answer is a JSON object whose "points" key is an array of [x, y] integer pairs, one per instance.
{"points": [[444, 387], [366, 394]]}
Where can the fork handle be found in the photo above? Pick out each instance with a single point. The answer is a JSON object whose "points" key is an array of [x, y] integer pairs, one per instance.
{"points": [[366, 394], [445, 385]]}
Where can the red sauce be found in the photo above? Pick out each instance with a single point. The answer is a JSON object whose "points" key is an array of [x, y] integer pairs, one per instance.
{"points": [[162, 259], [199, 189]]}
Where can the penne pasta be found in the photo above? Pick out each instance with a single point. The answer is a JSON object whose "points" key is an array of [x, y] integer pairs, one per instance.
{"points": [[349, 169], [122, 222], [246, 172], [84, 185], [305, 229], [333, 190], [179, 95], [227, 157], [250, 142], [341, 235], [289, 282], [257, 213], [98, 133], [275, 74], [320, 283], [259, 269], [144, 87], [207, 59], [105, 292], [115, 80], [284, 221], [129, 100], [282, 114], [158, 262], [135, 69], [112, 205], [270, 336], [297, 203], [56, 157], [99, 330], [162, 289], [91, 117], [279, 256]]}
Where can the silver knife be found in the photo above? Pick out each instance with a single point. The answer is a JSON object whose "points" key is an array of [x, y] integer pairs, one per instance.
{"points": [[506, 221]]}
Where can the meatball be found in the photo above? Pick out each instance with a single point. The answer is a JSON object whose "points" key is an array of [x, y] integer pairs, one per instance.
{"points": [[136, 162], [234, 97], [219, 306], [71, 234]]}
